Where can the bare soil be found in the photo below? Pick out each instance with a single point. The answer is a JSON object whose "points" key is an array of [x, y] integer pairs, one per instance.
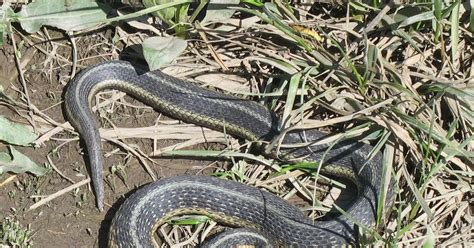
{"points": [[72, 220]]}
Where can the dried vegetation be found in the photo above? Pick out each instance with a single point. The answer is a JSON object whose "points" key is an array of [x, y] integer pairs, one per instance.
{"points": [[398, 79]]}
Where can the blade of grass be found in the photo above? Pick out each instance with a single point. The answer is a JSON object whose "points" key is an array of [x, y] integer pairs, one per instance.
{"points": [[217, 154], [455, 33], [290, 97], [452, 146], [438, 27]]}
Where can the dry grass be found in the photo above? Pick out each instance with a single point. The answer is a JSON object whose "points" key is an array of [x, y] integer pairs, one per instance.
{"points": [[405, 86]]}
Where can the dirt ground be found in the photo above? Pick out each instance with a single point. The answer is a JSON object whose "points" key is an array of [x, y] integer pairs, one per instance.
{"points": [[71, 220]]}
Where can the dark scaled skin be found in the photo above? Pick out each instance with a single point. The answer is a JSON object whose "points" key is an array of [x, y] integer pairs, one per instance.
{"points": [[230, 201], [239, 237]]}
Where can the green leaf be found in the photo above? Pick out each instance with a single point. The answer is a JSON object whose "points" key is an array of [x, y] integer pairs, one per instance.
{"points": [[256, 3], [371, 59], [167, 14], [14, 133], [407, 11], [189, 220], [217, 10], [297, 166], [19, 163], [401, 33], [430, 238], [290, 98], [451, 145], [66, 15], [425, 16], [438, 6], [175, 17], [159, 51]]}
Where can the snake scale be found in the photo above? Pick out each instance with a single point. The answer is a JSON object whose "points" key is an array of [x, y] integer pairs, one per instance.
{"points": [[227, 202]]}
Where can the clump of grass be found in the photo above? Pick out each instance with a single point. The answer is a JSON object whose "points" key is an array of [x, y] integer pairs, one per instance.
{"points": [[12, 233], [401, 76]]}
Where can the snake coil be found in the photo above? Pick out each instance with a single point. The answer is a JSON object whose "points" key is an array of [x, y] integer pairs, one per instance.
{"points": [[228, 202]]}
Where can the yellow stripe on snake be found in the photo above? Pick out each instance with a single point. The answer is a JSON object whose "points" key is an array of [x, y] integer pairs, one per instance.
{"points": [[227, 202]]}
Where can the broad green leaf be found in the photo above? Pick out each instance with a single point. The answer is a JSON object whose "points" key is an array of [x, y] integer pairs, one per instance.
{"points": [[66, 15], [167, 14], [217, 10], [174, 17], [19, 163], [15, 134], [159, 51]]}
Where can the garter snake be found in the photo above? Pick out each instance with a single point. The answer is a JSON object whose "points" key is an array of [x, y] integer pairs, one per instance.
{"points": [[229, 202]]}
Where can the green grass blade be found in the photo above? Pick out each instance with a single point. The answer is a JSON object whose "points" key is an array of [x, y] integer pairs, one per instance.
{"points": [[290, 98], [455, 34]]}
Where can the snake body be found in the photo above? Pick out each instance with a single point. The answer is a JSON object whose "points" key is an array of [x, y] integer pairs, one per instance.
{"points": [[229, 202]]}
